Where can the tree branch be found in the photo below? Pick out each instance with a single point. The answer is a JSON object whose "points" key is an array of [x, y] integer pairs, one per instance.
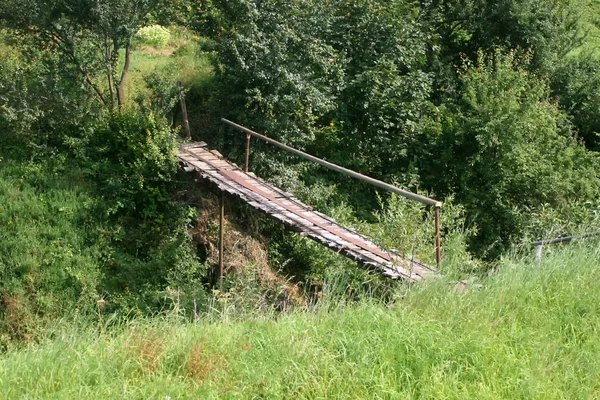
{"points": [[67, 48]]}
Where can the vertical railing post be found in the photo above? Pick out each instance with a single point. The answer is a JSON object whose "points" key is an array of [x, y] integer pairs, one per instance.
{"points": [[221, 235], [248, 136], [438, 237], [184, 114], [538, 252]]}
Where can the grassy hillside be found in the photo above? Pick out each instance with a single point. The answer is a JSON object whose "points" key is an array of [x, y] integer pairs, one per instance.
{"points": [[48, 258], [531, 331]]}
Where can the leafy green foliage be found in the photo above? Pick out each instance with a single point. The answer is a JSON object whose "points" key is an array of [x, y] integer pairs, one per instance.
{"points": [[274, 73], [17, 114], [577, 86], [505, 147], [372, 86], [573, 218], [343, 79], [409, 228], [164, 93], [38, 107], [135, 226], [560, 36], [109, 230], [551, 28], [384, 98], [88, 35], [133, 157]]}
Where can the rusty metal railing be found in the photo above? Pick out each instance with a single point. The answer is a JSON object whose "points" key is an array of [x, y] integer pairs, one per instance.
{"points": [[539, 245], [375, 182]]}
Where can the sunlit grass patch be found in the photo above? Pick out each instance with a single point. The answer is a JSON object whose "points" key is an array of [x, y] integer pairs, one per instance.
{"points": [[530, 331], [181, 61]]}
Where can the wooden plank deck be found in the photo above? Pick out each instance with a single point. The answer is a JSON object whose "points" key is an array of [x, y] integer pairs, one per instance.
{"points": [[298, 216]]}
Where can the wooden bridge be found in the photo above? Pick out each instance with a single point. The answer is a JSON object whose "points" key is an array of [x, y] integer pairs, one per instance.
{"points": [[296, 215]]}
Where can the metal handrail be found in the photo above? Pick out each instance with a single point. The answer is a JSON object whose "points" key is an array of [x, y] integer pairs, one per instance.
{"points": [[345, 171], [539, 245]]}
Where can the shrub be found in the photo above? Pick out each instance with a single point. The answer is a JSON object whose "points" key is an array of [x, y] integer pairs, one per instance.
{"points": [[409, 227], [506, 147], [132, 158], [38, 108], [550, 28], [577, 85], [153, 36]]}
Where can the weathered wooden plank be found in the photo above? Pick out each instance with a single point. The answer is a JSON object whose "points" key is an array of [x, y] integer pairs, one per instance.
{"points": [[192, 145], [298, 216]]}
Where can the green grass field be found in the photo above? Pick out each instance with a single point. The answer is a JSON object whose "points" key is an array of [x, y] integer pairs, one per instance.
{"points": [[530, 332], [183, 63]]}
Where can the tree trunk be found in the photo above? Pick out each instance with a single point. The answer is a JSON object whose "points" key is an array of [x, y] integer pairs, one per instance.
{"points": [[121, 88], [111, 64]]}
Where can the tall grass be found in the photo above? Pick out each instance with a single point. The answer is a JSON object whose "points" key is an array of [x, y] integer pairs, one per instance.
{"points": [[529, 331]]}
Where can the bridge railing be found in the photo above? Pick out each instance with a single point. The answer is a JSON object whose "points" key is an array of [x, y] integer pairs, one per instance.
{"points": [[539, 245], [375, 182]]}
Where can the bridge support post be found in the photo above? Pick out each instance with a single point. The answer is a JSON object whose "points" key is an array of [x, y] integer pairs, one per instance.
{"points": [[184, 114], [221, 235], [438, 237]]}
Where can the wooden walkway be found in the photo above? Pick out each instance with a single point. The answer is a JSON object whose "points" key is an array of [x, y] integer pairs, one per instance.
{"points": [[298, 216]]}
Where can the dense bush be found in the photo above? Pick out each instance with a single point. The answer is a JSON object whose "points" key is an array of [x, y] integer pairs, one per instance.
{"points": [[38, 107], [132, 160], [153, 36], [505, 147], [345, 80], [133, 156], [111, 230], [275, 74], [550, 28], [576, 83]]}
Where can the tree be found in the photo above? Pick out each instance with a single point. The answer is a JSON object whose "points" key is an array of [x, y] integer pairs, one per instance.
{"points": [[90, 34], [576, 84], [345, 80], [386, 96], [550, 28], [505, 147]]}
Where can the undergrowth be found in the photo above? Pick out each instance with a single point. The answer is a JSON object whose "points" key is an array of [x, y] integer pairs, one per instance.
{"points": [[48, 258], [529, 331]]}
